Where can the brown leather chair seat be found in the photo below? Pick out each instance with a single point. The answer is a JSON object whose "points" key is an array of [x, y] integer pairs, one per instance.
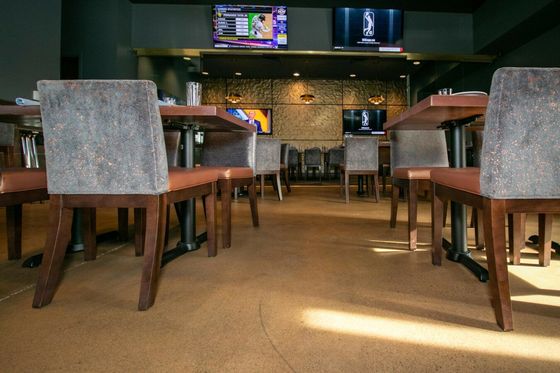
{"points": [[180, 178], [22, 179], [230, 172], [464, 179], [418, 173]]}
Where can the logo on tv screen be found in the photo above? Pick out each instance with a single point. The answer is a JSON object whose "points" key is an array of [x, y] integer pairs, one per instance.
{"points": [[368, 23]]}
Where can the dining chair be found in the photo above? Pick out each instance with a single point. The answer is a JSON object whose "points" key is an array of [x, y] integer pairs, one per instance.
{"points": [[104, 147], [232, 156], [19, 186], [336, 158], [414, 154], [312, 160], [268, 163], [360, 158], [293, 161], [520, 133], [284, 162]]}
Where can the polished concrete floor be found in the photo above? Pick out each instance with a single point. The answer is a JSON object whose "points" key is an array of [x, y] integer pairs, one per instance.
{"points": [[320, 286]]}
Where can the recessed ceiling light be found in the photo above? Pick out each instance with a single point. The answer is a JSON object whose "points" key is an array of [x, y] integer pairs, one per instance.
{"points": [[352, 75], [416, 63], [238, 73], [402, 76], [296, 74], [187, 58], [205, 73]]}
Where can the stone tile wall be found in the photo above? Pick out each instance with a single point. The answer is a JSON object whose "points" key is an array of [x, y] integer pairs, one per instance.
{"points": [[304, 126]]}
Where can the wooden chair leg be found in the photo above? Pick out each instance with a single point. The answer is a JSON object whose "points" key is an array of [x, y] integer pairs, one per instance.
{"points": [[478, 229], [394, 206], [139, 230], [210, 208], [286, 180], [412, 214], [13, 230], [347, 187], [167, 219], [58, 235], [445, 209], [341, 181], [545, 240], [226, 188], [122, 214], [494, 237], [278, 186], [153, 243], [253, 202], [516, 237], [437, 228], [375, 184], [89, 229], [262, 186]]}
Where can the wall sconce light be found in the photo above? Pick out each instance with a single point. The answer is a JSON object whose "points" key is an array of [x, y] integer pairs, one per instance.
{"points": [[376, 99], [234, 98], [307, 98]]}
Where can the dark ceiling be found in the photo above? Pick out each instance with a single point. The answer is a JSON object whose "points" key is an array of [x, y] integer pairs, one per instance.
{"points": [[456, 6], [314, 67]]}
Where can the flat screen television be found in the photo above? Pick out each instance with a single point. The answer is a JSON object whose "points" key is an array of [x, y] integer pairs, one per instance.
{"points": [[363, 122], [379, 30], [260, 118], [250, 26]]}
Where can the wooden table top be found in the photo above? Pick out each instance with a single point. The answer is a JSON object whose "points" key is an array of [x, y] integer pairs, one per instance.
{"points": [[429, 113], [209, 118]]}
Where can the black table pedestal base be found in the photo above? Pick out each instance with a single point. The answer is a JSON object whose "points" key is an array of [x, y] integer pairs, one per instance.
{"points": [[183, 248], [466, 259]]}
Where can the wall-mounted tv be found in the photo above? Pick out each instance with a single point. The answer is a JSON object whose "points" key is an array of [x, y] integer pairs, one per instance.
{"points": [[363, 122], [250, 26], [260, 118], [379, 30]]}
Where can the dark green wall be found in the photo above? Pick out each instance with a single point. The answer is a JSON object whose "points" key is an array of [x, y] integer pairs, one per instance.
{"points": [[30, 45], [99, 33]]}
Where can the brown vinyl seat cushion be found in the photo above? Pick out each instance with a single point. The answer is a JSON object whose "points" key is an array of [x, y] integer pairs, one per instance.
{"points": [[22, 179], [181, 178], [464, 179], [231, 172], [414, 173]]}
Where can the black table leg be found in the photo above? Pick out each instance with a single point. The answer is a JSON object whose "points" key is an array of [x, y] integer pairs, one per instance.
{"points": [[186, 210], [360, 191], [458, 251]]}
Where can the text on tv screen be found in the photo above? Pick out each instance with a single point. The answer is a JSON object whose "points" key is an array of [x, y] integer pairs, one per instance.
{"points": [[370, 29], [250, 26]]}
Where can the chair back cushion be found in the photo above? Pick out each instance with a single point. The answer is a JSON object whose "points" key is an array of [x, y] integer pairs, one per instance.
{"points": [[312, 157], [103, 137], [229, 149], [521, 151], [420, 148], [293, 156], [268, 154], [360, 153], [284, 153], [336, 156]]}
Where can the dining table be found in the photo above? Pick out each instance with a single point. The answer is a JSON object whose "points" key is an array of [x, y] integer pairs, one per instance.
{"points": [[187, 120], [453, 113]]}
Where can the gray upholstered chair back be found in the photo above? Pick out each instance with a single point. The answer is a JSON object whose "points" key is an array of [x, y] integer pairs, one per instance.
{"points": [[336, 156], [268, 154], [229, 149], [521, 151], [420, 148], [172, 145], [7, 134], [293, 156], [103, 137], [312, 157], [360, 153], [284, 154]]}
